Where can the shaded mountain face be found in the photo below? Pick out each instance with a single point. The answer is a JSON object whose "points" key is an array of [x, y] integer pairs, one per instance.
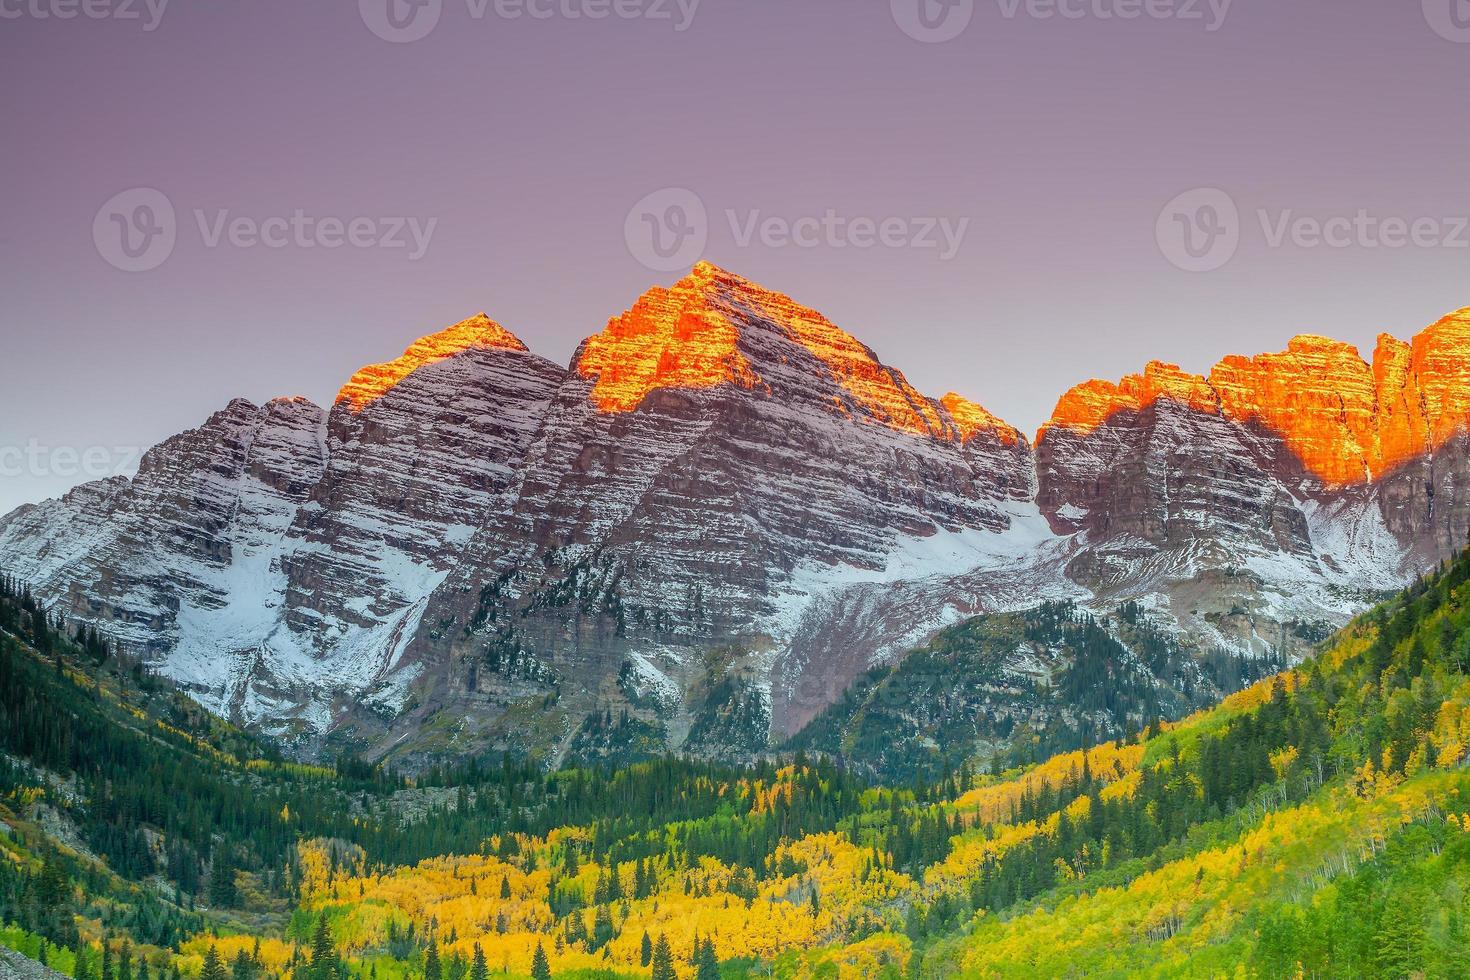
{"points": [[724, 512]]}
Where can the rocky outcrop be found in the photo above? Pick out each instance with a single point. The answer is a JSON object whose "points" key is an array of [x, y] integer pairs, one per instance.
{"points": [[276, 560], [14, 966]]}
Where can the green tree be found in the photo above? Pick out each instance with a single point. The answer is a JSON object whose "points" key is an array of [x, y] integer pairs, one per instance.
{"points": [[540, 968], [478, 970], [1399, 943], [83, 968], [663, 961], [222, 893], [213, 968], [323, 953], [243, 968], [603, 930], [706, 963]]}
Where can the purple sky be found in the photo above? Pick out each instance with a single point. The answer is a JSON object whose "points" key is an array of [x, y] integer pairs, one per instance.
{"points": [[529, 140]]}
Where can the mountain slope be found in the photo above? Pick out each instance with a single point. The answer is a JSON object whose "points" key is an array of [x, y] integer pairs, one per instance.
{"points": [[1314, 824], [1015, 688]]}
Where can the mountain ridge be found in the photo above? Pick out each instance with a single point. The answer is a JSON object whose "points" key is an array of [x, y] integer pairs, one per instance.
{"points": [[724, 490]]}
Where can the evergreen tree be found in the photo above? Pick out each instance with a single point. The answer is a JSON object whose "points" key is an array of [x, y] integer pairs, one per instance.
{"points": [[603, 930], [323, 953], [478, 970], [213, 969], [663, 961], [706, 963], [243, 968], [83, 968], [540, 968]]}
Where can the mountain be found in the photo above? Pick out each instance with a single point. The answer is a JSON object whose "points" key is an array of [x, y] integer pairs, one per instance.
{"points": [[1284, 484], [277, 560], [1016, 688], [724, 513], [1313, 824], [715, 456]]}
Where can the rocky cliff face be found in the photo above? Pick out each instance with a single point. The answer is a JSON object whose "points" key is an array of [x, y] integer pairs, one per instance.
{"points": [[722, 513], [716, 456], [1282, 487], [276, 560], [177, 562]]}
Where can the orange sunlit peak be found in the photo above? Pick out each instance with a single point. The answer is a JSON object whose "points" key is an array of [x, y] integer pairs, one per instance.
{"points": [[670, 338], [479, 332], [1087, 406], [1346, 420], [688, 336], [973, 420]]}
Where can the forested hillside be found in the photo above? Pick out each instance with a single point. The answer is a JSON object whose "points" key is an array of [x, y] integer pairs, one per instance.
{"points": [[1013, 689], [1314, 823]]}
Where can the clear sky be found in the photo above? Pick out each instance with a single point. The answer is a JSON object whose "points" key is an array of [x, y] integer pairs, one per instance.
{"points": [[1054, 142]]}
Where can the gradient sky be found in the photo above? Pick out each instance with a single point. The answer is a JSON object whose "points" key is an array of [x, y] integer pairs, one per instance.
{"points": [[529, 141]]}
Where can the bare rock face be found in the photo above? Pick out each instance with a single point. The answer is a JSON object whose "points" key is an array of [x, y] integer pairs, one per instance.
{"points": [[418, 451], [14, 966], [714, 457], [172, 561], [1310, 479], [276, 560], [724, 511]]}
